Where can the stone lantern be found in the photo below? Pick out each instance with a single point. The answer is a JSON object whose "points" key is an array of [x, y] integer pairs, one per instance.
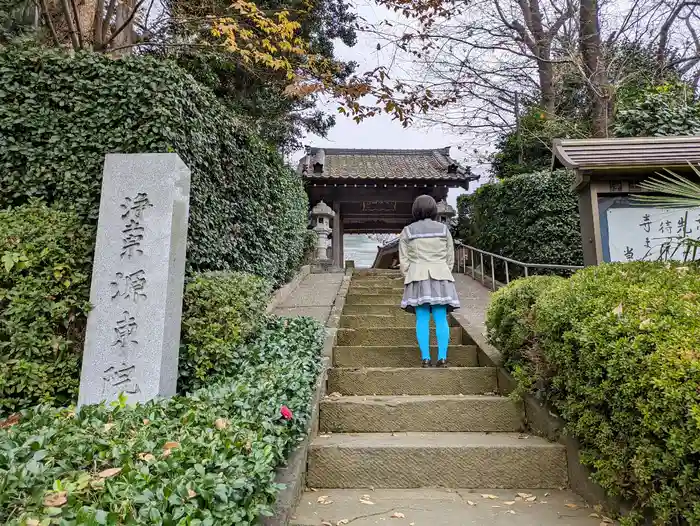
{"points": [[321, 215], [445, 212]]}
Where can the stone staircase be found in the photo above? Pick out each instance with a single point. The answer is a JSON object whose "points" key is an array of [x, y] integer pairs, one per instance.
{"points": [[388, 423]]}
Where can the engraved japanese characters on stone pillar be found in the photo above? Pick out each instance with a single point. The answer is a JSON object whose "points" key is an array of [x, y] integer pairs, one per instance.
{"points": [[133, 331]]}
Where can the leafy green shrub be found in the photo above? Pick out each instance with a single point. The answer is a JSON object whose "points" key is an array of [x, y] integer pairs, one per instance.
{"points": [[621, 344], [668, 109], [45, 261], [60, 114], [221, 311], [310, 244], [531, 218], [509, 319], [207, 458]]}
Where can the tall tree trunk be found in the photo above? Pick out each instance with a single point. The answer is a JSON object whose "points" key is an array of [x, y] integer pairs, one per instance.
{"points": [[594, 68]]}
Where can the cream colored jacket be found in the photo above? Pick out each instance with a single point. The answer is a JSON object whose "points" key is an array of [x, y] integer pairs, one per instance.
{"points": [[426, 250]]}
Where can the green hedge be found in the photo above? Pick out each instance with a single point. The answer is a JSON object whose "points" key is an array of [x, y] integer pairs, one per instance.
{"points": [[510, 314], [45, 262], [220, 312], [45, 268], [61, 113], [207, 458], [531, 218], [619, 345]]}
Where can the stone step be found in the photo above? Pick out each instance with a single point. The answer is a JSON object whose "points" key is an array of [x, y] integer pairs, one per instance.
{"points": [[373, 299], [412, 381], [386, 291], [443, 507], [400, 356], [389, 336], [455, 460], [392, 309], [387, 414], [377, 282], [376, 272], [373, 321]]}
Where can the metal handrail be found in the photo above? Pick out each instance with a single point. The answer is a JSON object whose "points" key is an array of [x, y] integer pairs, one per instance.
{"points": [[506, 260]]}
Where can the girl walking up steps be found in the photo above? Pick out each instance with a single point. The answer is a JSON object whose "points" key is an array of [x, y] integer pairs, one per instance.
{"points": [[426, 257]]}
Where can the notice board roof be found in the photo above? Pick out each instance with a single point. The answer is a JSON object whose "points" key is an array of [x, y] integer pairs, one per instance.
{"points": [[643, 153]]}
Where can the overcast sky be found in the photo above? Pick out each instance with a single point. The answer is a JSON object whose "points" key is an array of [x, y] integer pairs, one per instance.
{"points": [[381, 131]]}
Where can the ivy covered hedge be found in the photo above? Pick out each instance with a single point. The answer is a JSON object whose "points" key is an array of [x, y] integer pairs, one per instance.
{"points": [[530, 217], [206, 458], [45, 269], [60, 114], [614, 349], [220, 312]]}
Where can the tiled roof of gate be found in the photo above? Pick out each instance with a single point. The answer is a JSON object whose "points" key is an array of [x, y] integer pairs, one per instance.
{"points": [[347, 164]]}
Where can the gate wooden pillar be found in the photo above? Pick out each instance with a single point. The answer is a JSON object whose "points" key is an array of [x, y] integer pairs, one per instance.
{"points": [[337, 242]]}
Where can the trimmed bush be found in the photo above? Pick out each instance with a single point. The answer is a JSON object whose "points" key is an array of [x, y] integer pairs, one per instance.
{"points": [[220, 312], [620, 342], [531, 218], [60, 114], [207, 458], [509, 317], [45, 261]]}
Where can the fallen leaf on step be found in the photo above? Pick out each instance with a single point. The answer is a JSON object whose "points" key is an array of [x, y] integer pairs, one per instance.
{"points": [[531, 499], [486, 496], [607, 520], [313, 489], [595, 516], [572, 506], [495, 506], [367, 501], [511, 512], [324, 436], [471, 503], [323, 499], [326, 523], [547, 494], [524, 495], [342, 521], [509, 502], [398, 515]]}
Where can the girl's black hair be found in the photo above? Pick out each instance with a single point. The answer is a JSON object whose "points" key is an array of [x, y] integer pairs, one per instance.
{"points": [[424, 207]]}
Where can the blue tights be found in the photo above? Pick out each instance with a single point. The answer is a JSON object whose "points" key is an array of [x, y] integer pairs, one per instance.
{"points": [[442, 330]]}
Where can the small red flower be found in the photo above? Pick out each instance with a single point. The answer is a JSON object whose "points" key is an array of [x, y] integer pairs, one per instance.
{"points": [[286, 413]]}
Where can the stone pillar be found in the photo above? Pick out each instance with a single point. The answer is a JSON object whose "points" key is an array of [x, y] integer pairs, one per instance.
{"points": [[337, 236], [321, 215], [133, 331]]}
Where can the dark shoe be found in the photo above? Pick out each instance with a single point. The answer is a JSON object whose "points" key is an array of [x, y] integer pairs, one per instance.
{"points": [[426, 363], [442, 363]]}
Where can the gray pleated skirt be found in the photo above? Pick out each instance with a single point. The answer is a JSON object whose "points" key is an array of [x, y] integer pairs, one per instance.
{"points": [[429, 292]]}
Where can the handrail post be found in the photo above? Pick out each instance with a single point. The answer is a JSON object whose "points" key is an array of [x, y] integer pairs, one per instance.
{"points": [[493, 275], [526, 273], [471, 258], [507, 276], [481, 255]]}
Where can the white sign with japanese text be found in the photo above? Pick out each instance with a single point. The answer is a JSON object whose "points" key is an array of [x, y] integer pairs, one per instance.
{"points": [[652, 234]]}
